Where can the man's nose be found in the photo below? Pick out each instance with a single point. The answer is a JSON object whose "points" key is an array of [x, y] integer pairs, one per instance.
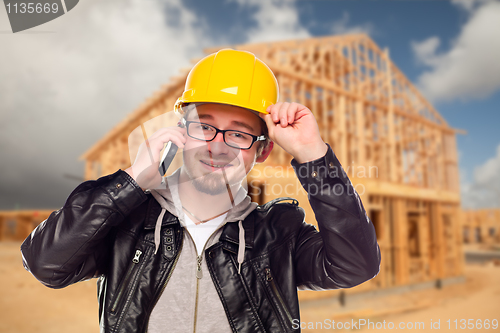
{"points": [[217, 145], [219, 137]]}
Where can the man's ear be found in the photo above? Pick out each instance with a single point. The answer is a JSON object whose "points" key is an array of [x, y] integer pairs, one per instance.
{"points": [[265, 152]]}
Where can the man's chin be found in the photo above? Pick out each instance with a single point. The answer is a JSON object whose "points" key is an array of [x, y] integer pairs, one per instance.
{"points": [[210, 186], [214, 183]]}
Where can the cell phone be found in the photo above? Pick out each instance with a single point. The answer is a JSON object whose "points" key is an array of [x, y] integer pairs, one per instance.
{"points": [[168, 156]]}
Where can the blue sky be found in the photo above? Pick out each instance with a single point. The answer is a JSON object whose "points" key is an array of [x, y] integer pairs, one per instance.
{"points": [[68, 82], [392, 24]]}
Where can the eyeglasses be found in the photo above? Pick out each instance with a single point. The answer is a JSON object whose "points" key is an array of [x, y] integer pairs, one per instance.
{"points": [[232, 138]]}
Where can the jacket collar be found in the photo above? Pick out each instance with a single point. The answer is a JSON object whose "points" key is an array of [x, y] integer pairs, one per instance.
{"points": [[153, 210], [229, 236]]}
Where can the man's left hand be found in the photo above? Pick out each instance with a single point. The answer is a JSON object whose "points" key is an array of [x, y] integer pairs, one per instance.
{"points": [[293, 127]]}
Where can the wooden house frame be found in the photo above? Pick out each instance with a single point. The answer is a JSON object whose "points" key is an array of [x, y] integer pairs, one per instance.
{"points": [[397, 150]]}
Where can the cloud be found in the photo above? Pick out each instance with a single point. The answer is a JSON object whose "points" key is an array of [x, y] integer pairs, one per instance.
{"points": [[277, 20], [425, 51], [66, 83], [470, 68], [274, 20], [342, 27], [469, 5], [66, 86], [484, 190]]}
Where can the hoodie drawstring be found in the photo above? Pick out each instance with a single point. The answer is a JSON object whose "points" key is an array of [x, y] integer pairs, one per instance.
{"points": [[158, 228], [163, 205], [241, 246]]}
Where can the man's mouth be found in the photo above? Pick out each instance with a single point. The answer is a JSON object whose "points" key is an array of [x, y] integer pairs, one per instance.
{"points": [[217, 165]]}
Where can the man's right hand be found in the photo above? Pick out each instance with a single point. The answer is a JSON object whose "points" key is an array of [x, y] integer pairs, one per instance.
{"points": [[145, 168]]}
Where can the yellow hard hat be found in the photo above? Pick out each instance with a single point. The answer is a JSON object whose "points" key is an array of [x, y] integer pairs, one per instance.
{"points": [[230, 77]]}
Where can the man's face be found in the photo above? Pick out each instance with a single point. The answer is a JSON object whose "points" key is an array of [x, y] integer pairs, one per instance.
{"points": [[212, 165]]}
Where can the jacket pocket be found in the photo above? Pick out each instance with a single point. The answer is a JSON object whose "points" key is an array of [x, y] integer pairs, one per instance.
{"points": [[277, 299], [129, 282]]}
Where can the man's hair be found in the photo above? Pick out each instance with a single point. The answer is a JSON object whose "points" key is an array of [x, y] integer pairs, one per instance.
{"points": [[267, 141]]}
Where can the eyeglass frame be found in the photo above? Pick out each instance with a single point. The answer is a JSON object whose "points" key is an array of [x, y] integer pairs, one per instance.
{"points": [[255, 138]]}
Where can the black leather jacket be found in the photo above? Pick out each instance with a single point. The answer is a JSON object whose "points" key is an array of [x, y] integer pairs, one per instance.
{"points": [[106, 227]]}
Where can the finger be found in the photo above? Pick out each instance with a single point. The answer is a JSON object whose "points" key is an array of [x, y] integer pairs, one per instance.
{"points": [[158, 143], [269, 123], [283, 114], [292, 110], [302, 112], [178, 138], [274, 111]]}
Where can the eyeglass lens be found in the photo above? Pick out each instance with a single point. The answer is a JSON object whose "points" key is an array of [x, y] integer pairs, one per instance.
{"points": [[206, 132]]}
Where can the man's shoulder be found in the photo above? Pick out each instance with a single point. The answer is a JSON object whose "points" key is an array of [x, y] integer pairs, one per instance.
{"points": [[142, 216], [279, 202], [280, 210]]}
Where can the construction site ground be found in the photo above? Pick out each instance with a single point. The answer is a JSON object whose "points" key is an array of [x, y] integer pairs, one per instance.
{"points": [[27, 306]]}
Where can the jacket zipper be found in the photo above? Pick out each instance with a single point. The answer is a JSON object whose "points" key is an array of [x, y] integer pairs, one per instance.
{"points": [[199, 273], [270, 279], [126, 280]]}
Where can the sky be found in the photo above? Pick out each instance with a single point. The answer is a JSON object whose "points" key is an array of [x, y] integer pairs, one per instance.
{"points": [[66, 83]]}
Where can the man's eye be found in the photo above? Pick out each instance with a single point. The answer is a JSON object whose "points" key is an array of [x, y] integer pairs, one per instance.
{"points": [[239, 136], [203, 127]]}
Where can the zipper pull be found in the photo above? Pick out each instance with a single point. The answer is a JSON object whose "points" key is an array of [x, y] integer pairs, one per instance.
{"points": [[269, 277], [137, 256], [199, 274]]}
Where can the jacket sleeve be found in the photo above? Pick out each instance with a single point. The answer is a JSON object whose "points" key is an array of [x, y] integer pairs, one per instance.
{"points": [[72, 244], [345, 252]]}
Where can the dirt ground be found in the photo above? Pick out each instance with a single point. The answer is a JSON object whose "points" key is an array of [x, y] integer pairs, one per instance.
{"points": [[27, 306], [473, 303], [469, 303]]}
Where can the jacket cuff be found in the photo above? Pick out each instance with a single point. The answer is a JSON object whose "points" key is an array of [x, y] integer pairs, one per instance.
{"points": [[124, 191], [314, 171], [324, 179]]}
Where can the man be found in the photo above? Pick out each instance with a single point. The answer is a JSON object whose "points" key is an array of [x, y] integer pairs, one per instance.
{"points": [[191, 252]]}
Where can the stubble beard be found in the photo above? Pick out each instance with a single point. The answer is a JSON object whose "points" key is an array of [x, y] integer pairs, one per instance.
{"points": [[212, 183]]}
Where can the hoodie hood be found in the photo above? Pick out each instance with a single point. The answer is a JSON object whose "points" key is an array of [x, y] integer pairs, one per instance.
{"points": [[169, 200]]}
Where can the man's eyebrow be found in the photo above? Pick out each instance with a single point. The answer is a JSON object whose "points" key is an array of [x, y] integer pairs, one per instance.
{"points": [[234, 122], [205, 116], [242, 124]]}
